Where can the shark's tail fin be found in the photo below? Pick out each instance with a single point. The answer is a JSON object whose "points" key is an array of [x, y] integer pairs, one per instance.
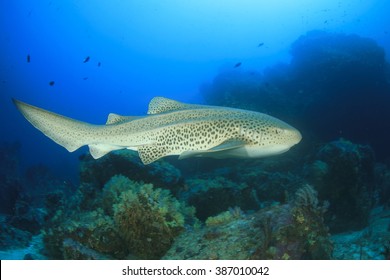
{"points": [[69, 133]]}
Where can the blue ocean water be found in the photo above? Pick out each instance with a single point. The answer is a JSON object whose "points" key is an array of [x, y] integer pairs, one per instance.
{"points": [[85, 59], [146, 49]]}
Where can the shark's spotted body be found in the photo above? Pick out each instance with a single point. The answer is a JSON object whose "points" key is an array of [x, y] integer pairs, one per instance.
{"points": [[171, 128]]}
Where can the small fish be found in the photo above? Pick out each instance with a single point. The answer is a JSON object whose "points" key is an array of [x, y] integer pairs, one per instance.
{"points": [[99, 64], [51, 83], [259, 45], [28, 58], [86, 59], [325, 21], [85, 78], [237, 65]]}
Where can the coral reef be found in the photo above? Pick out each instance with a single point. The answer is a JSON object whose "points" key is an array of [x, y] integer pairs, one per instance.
{"points": [[234, 240], [296, 230], [271, 205], [258, 209], [126, 220], [289, 231], [93, 229], [149, 219]]}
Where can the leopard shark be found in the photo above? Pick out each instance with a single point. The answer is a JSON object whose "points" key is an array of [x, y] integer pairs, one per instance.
{"points": [[171, 128]]}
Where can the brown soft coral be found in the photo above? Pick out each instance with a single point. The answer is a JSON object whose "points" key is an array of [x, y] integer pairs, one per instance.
{"points": [[149, 219], [296, 230]]}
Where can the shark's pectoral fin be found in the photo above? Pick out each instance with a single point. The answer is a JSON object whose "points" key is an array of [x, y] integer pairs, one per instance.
{"points": [[228, 145], [151, 152], [228, 148], [99, 150]]}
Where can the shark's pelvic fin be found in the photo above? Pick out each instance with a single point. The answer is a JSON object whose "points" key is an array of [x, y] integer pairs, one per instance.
{"points": [[99, 150]]}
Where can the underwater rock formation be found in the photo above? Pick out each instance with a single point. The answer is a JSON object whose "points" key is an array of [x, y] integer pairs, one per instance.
{"points": [[20, 219], [370, 243], [235, 89], [343, 174], [317, 51], [344, 78], [127, 163], [11, 237], [10, 185], [27, 218], [216, 186], [382, 181], [336, 85], [214, 195]]}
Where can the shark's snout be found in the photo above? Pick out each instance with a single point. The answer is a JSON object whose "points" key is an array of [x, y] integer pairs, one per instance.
{"points": [[297, 137]]}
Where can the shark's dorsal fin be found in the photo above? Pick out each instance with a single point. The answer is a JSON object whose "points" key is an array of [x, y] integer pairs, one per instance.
{"points": [[116, 119], [160, 105]]}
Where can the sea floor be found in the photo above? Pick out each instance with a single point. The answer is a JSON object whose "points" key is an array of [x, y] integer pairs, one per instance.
{"points": [[367, 244], [31, 252]]}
